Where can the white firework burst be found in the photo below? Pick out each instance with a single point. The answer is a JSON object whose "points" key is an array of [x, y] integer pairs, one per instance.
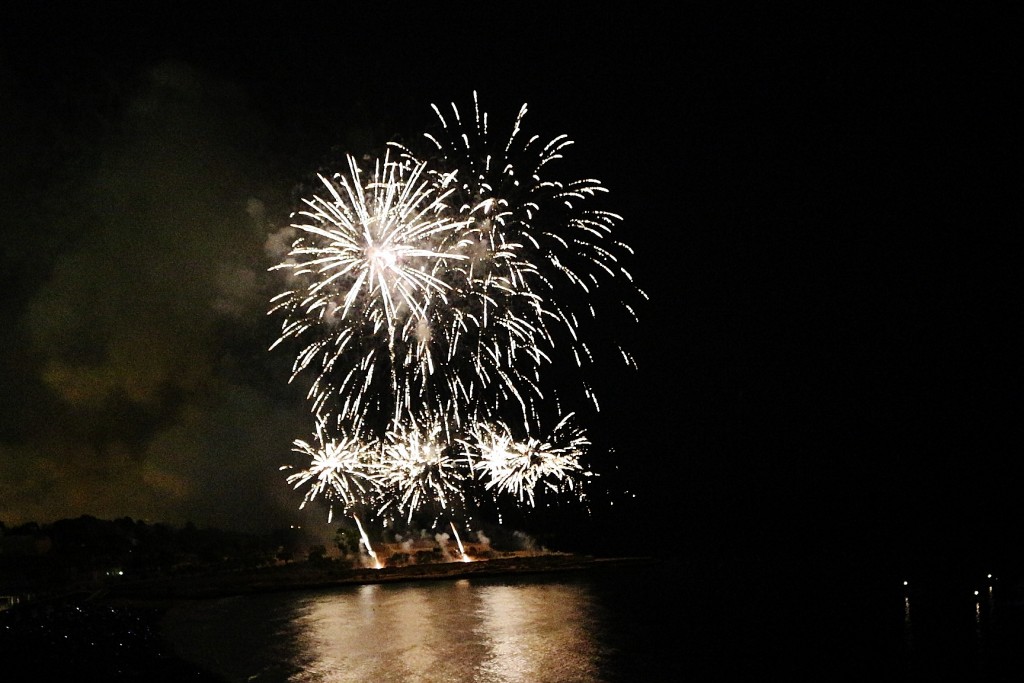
{"points": [[342, 469], [417, 469], [367, 270], [519, 467], [536, 243]]}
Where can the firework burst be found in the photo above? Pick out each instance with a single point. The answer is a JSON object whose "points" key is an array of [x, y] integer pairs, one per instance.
{"points": [[342, 469], [427, 293], [367, 268], [537, 238], [417, 469], [392, 312], [519, 467]]}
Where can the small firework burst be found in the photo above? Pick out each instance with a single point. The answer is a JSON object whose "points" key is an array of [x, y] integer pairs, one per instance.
{"points": [[341, 469], [520, 467], [416, 468]]}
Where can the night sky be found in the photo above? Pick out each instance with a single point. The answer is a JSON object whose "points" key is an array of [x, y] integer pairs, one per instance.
{"points": [[820, 204]]}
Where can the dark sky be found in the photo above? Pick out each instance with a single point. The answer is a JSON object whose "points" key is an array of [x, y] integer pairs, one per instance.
{"points": [[819, 202]]}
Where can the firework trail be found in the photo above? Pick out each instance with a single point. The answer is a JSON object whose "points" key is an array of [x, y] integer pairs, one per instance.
{"points": [[427, 292], [365, 540]]}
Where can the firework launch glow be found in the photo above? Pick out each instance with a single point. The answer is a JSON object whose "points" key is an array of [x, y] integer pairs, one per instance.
{"points": [[428, 292]]}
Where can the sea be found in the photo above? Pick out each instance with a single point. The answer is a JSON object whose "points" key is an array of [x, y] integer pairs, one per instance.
{"points": [[649, 620]]}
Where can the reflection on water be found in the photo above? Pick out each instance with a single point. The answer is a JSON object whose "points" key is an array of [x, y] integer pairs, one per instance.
{"points": [[628, 624], [464, 630], [545, 633], [960, 624]]}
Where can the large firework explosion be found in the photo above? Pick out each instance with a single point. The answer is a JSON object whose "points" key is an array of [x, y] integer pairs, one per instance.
{"points": [[428, 292]]}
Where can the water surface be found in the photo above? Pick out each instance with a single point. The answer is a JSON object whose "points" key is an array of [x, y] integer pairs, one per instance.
{"points": [[652, 622]]}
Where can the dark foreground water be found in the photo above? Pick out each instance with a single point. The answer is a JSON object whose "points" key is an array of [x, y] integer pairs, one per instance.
{"points": [[655, 622]]}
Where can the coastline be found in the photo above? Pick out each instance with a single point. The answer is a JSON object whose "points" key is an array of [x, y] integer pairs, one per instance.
{"points": [[307, 575], [115, 633]]}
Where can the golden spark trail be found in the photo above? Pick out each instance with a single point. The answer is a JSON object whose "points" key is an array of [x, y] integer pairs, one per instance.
{"points": [[462, 549], [366, 544]]}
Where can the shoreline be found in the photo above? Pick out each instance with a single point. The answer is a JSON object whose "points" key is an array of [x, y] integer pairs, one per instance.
{"points": [[116, 632], [306, 575]]}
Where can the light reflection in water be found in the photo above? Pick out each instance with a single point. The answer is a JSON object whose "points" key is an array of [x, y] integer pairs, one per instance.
{"points": [[537, 635], [448, 631]]}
